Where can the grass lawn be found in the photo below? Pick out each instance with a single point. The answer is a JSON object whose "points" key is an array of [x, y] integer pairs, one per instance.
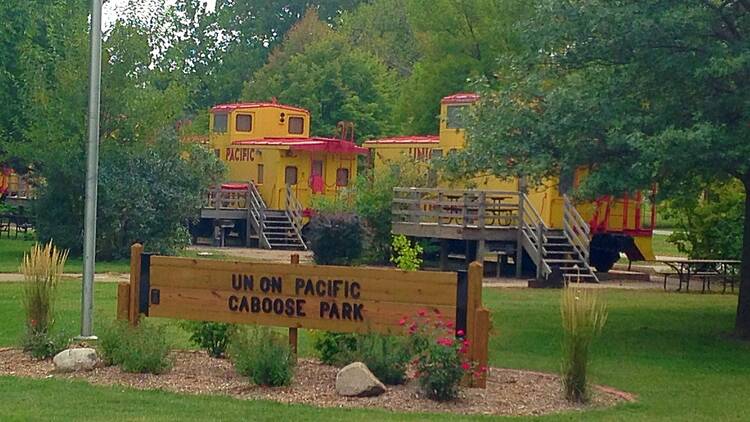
{"points": [[12, 250], [663, 248], [670, 349]]}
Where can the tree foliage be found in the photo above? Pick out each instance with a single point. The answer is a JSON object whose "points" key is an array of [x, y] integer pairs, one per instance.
{"points": [[316, 68], [638, 92], [710, 225]]}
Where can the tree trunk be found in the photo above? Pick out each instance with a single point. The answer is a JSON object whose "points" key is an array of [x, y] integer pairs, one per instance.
{"points": [[742, 323]]}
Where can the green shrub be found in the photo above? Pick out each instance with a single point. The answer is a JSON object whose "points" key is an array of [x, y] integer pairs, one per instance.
{"points": [[336, 349], [147, 193], [141, 349], [406, 256], [43, 345], [263, 356], [582, 320], [374, 204], [386, 356], [710, 225], [211, 336], [335, 238]]}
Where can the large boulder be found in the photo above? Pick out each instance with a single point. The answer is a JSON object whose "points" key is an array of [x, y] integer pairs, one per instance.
{"points": [[356, 380], [73, 360]]}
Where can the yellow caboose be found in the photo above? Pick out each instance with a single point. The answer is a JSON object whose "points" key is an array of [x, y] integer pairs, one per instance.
{"points": [[610, 224], [275, 171]]}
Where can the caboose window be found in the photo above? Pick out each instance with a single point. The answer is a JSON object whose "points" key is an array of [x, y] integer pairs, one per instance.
{"points": [[220, 122], [296, 125], [342, 177], [244, 123], [456, 117], [290, 175]]}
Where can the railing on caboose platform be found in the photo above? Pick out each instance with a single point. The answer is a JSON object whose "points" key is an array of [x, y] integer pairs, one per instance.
{"points": [[456, 208]]}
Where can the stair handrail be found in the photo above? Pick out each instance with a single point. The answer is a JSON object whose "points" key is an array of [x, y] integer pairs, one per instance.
{"points": [[256, 208], [533, 228], [577, 232], [294, 211]]}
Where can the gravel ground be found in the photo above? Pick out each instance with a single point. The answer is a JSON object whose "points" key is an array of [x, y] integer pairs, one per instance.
{"points": [[508, 392]]}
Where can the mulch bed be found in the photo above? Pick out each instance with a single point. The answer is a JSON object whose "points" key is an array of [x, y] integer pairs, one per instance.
{"points": [[508, 392]]}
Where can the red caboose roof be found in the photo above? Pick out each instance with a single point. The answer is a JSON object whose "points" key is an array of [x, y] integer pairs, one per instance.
{"points": [[461, 98], [235, 106], [317, 144]]}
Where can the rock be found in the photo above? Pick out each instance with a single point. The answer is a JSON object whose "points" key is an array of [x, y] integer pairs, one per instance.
{"points": [[356, 380], [73, 360]]}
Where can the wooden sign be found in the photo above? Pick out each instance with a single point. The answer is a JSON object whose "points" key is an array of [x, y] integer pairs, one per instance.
{"points": [[332, 298], [345, 299]]}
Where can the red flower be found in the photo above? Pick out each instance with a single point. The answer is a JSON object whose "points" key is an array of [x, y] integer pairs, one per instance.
{"points": [[449, 324], [402, 321], [466, 366], [422, 312], [445, 341], [460, 333], [437, 311]]}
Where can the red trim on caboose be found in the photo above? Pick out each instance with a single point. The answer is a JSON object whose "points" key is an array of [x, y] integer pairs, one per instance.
{"points": [[315, 144], [420, 139]]}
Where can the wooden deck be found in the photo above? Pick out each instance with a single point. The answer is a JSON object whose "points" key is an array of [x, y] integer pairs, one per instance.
{"points": [[456, 214]]}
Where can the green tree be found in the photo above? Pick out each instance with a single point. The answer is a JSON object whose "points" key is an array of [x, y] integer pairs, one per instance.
{"points": [[316, 68], [147, 190], [383, 29], [635, 91], [214, 53], [460, 42]]}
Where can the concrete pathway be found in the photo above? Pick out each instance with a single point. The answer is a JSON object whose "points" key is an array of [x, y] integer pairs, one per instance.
{"points": [[99, 278]]}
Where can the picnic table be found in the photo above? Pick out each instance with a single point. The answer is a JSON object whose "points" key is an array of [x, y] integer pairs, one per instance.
{"points": [[724, 270]]}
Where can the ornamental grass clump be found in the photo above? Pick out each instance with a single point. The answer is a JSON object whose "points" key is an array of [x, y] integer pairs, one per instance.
{"points": [[42, 269], [262, 355], [442, 355], [140, 349], [583, 318]]}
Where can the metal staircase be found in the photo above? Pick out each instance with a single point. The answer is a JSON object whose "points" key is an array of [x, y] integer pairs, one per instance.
{"points": [[276, 229], [563, 250]]}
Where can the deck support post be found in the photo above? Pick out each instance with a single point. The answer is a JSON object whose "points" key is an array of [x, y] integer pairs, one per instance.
{"points": [[539, 249], [444, 254], [519, 235]]}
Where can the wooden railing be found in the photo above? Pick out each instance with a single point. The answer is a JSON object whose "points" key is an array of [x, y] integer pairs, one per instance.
{"points": [[294, 211], [220, 198], [256, 215], [577, 231], [531, 235], [456, 208]]}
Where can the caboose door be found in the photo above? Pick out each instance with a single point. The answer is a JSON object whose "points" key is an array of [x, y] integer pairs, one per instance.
{"points": [[317, 178]]}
